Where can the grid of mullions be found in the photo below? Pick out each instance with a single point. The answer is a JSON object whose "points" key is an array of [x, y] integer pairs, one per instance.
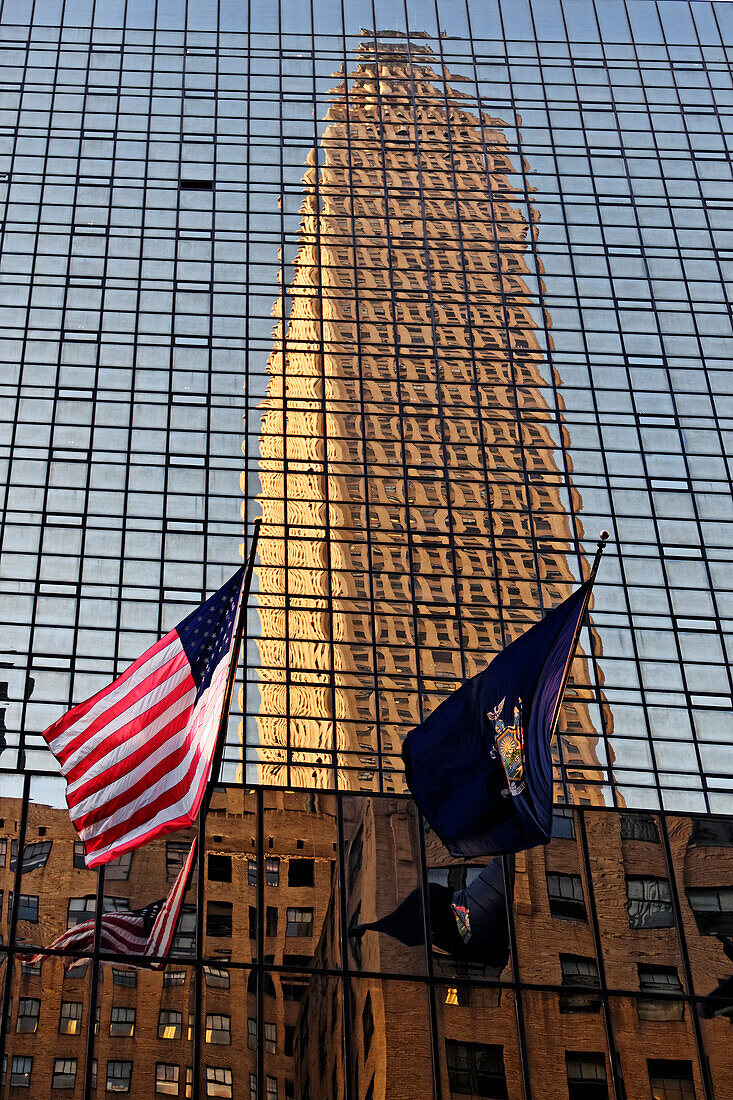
{"points": [[146, 306], [605, 990]]}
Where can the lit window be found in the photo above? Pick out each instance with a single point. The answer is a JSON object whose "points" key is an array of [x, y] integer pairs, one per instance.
{"points": [[170, 1024], [671, 1079], [218, 1082], [166, 1078], [20, 1072], [218, 1030], [119, 1076], [70, 1018], [122, 1021], [300, 922]]}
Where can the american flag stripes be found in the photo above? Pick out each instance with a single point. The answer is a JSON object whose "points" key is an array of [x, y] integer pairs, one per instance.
{"points": [[142, 932], [137, 756]]}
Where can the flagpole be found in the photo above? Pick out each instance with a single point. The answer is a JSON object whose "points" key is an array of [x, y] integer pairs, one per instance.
{"points": [[237, 645], [602, 540], [203, 811]]}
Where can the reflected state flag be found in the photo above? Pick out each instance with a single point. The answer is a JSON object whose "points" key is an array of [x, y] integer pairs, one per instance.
{"points": [[143, 932], [137, 756], [480, 767], [469, 924]]}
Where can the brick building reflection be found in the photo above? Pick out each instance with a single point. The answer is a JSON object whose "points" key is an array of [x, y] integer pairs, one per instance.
{"points": [[273, 906], [411, 488]]}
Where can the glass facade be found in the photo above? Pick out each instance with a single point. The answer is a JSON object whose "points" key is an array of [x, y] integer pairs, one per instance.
{"points": [[439, 290]]}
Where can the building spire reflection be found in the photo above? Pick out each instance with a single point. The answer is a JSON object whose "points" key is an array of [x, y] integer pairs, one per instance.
{"points": [[411, 481]]}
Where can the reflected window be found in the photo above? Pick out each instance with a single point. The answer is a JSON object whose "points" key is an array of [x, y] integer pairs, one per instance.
{"points": [[35, 855], [300, 922], [580, 973], [64, 1073], [219, 919], [271, 1038], [122, 1021], [220, 868], [252, 1033], [476, 1069], [586, 1074], [20, 1072], [81, 909], [367, 1023], [218, 1029], [166, 1078], [175, 856], [174, 977], [170, 1024], [185, 939], [79, 861], [271, 1088], [3, 850], [301, 872], [356, 855], [649, 902], [27, 907], [119, 1076], [70, 1018], [639, 826], [118, 870], [711, 832], [251, 872], [671, 1079], [563, 824], [272, 871], [271, 920], [654, 979], [218, 1082], [565, 894], [216, 978], [124, 977], [28, 1012], [712, 907]]}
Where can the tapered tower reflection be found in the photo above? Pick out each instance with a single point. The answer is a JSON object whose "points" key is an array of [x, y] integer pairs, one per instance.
{"points": [[415, 509]]}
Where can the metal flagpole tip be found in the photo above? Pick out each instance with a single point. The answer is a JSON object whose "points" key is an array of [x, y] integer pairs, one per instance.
{"points": [[604, 536]]}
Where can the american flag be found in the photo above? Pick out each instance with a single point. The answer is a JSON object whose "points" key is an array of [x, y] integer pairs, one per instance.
{"points": [[137, 756], [143, 932]]}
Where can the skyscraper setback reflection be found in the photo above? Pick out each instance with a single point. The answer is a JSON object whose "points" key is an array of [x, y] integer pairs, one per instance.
{"points": [[415, 481]]}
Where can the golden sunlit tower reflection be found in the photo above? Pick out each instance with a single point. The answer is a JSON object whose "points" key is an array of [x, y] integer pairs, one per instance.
{"points": [[411, 481]]}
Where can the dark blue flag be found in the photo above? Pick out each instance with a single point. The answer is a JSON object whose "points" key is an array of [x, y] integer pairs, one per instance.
{"points": [[470, 924], [480, 767]]}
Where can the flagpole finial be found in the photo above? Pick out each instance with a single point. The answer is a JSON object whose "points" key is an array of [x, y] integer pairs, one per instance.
{"points": [[603, 537]]}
